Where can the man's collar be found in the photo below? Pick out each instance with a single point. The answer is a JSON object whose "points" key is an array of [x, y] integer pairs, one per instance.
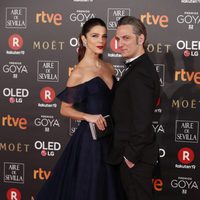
{"points": [[130, 60]]}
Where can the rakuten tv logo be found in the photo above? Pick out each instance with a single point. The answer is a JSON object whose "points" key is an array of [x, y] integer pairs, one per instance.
{"points": [[185, 155], [15, 42], [47, 94], [187, 76], [13, 194], [49, 18], [157, 20], [114, 45]]}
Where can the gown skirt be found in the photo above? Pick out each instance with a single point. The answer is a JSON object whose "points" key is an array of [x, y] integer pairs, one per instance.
{"points": [[81, 173]]}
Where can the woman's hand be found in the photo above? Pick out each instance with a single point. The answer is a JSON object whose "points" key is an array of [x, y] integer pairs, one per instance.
{"points": [[99, 120]]}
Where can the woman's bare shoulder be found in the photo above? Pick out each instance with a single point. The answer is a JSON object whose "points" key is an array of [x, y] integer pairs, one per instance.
{"points": [[75, 77]]}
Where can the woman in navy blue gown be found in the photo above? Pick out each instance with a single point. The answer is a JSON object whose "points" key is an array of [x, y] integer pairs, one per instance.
{"points": [[82, 173]]}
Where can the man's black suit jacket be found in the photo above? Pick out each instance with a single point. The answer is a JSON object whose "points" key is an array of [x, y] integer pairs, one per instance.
{"points": [[136, 95]]}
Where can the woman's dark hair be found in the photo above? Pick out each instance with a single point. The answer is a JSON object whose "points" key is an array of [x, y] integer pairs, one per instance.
{"points": [[86, 28]]}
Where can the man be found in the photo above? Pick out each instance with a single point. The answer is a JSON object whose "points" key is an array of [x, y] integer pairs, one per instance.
{"points": [[134, 141]]}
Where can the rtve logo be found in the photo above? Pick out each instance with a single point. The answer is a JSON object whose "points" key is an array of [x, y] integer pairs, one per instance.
{"points": [[15, 42], [15, 122], [150, 19], [47, 94], [185, 155], [187, 76], [13, 194], [41, 174], [53, 18], [157, 184]]}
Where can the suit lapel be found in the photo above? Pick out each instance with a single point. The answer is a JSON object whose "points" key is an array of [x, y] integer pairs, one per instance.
{"points": [[131, 67]]}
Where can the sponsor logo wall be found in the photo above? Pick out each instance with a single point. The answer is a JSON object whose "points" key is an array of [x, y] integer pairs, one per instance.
{"points": [[38, 51]]}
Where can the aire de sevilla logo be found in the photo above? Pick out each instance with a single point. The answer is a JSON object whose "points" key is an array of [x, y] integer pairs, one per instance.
{"points": [[114, 45], [186, 155], [47, 94], [15, 42]]}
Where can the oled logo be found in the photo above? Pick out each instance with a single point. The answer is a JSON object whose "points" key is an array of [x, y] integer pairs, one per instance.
{"points": [[17, 122], [14, 172], [191, 19], [15, 69], [73, 124], [81, 16], [157, 184], [47, 122], [47, 71], [46, 18], [113, 16], [16, 17], [47, 148], [48, 45], [15, 42], [13, 194], [16, 95], [187, 131], [160, 68], [185, 184], [47, 95], [158, 128], [162, 152], [190, 48], [74, 42], [157, 20], [41, 174], [186, 76]]}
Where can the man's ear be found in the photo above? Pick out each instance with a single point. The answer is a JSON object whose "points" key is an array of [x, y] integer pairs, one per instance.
{"points": [[141, 39]]}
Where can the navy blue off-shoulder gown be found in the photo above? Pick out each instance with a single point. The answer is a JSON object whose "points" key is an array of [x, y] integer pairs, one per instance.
{"points": [[81, 173]]}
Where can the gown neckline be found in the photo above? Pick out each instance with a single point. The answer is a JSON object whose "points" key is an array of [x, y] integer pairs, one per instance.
{"points": [[96, 77]]}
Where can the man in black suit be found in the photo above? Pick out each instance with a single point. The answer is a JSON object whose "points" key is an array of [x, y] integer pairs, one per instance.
{"points": [[134, 141]]}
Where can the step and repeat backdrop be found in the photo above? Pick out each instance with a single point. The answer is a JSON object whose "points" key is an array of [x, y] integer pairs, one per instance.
{"points": [[38, 45]]}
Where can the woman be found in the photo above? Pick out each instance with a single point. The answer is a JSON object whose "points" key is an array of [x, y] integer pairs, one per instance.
{"points": [[82, 173]]}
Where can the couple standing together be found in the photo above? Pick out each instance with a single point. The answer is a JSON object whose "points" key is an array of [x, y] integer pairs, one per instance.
{"points": [[119, 166]]}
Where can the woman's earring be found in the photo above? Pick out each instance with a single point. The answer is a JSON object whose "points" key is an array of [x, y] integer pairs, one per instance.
{"points": [[85, 44]]}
